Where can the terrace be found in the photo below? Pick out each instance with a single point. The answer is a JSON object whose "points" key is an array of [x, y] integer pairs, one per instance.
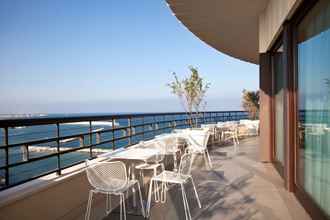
{"points": [[237, 187]]}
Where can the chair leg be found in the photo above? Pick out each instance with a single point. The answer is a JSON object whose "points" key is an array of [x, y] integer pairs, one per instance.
{"points": [[236, 143], [108, 204], [149, 199], [185, 196], [205, 159], [121, 207], [133, 188], [89, 205], [163, 193], [141, 177], [129, 176], [209, 158], [163, 187], [124, 207], [192, 158], [162, 167], [156, 189], [141, 201], [175, 161], [185, 203], [196, 194]]}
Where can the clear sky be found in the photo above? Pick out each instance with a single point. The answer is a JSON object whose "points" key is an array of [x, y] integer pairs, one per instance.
{"points": [[106, 56]]}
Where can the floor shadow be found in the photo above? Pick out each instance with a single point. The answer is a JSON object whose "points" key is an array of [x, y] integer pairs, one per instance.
{"points": [[224, 193]]}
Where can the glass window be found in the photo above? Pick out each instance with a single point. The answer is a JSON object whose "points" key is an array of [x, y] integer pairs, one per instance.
{"points": [[278, 90], [314, 104]]}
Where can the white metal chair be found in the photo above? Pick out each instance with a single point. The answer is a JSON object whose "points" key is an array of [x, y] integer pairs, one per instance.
{"points": [[231, 132], [180, 178], [110, 178], [197, 144], [214, 131], [171, 145], [154, 164], [251, 127], [220, 128]]}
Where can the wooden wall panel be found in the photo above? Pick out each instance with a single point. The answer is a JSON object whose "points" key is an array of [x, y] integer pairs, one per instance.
{"points": [[265, 149]]}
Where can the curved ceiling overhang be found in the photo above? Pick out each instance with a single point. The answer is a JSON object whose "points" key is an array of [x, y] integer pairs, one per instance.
{"points": [[230, 26]]}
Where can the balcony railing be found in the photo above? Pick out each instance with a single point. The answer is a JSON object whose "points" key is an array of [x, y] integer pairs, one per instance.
{"points": [[34, 147]]}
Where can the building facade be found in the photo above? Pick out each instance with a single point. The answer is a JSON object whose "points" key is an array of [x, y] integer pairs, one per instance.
{"points": [[290, 40]]}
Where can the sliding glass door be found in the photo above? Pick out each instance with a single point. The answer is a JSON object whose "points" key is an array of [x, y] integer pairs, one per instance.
{"points": [[278, 91], [313, 57]]}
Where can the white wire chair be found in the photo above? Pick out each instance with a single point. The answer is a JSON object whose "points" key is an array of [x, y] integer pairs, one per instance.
{"points": [[180, 178], [248, 127], [214, 131], [172, 144], [231, 132], [154, 163], [110, 178], [197, 144]]}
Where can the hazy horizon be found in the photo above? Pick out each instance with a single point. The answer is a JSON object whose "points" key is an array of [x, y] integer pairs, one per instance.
{"points": [[117, 106]]}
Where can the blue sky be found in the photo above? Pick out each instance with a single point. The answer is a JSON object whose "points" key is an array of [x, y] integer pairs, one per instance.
{"points": [[106, 56]]}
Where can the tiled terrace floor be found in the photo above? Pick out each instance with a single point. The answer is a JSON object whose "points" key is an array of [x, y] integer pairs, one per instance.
{"points": [[238, 187]]}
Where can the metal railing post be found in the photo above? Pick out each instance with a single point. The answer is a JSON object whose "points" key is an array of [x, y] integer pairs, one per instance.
{"points": [[154, 125], [129, 130], [143, 128], [90, 140], [58, 148], [173, 123], [6, 142], [113, 134], [203, 117]]}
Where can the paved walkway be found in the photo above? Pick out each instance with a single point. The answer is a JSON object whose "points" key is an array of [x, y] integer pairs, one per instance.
{"points": [[238, 188]]}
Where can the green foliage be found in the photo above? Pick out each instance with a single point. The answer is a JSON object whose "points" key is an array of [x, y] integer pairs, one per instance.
{"points": [[250, 103], [191, 92]]}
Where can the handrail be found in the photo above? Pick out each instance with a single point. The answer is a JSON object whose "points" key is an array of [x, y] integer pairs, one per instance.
{"points": [[13, 122], [89, 140]]}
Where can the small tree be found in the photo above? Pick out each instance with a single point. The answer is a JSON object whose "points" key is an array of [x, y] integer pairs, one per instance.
{"points": [[191, 93], [250, 103]]}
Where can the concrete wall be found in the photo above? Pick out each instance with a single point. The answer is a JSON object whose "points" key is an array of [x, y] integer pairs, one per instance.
{"points": [[54, 201], [271, 20], [53, 198], [58, 197]]}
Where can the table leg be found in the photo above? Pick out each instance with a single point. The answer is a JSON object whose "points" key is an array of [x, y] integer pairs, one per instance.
{"points": [[133, 189], [149, 198], [175, 161], [215, 135]]}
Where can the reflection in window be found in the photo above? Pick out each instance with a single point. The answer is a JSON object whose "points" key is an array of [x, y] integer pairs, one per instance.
{"points": [[314, 104]]}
